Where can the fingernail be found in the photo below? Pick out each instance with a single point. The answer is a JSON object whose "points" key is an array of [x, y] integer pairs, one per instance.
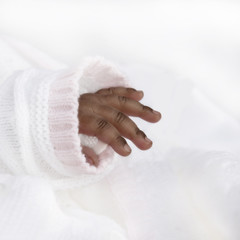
{"points": [[141, 92], [156, 112], [127, 148], [148, 140]]}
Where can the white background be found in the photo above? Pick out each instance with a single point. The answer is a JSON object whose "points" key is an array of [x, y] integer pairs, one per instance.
{"points": [[197, 39]]}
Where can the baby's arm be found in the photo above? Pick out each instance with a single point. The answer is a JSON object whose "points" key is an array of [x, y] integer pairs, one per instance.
{"points": [[104, 114], [42, 117]]}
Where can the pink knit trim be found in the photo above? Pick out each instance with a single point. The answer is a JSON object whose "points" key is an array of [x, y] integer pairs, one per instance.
{"points": [[63, 112], [63, 121]]}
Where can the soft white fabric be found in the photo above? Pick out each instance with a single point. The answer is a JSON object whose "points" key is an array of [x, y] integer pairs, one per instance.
{"points": [[187, 186], [29, 210], [43, 133], [169, 192], [39, 137]]}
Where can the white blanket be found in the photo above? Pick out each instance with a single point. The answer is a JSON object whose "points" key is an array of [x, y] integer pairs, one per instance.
{"points": [[172, 191]]}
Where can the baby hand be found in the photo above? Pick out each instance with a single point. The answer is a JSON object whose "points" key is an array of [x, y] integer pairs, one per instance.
{"points": [[105, 114]]}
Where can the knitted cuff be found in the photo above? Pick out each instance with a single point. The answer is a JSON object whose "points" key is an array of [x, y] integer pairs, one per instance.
{"points": [[94, 74]]}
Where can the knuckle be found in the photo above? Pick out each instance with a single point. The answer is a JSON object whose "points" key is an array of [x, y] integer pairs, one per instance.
{"points": [[131, 90], [140, 133], [122, 99], [111, 90], [120, 117], [146, 109], [102, 124], [120, 140]]}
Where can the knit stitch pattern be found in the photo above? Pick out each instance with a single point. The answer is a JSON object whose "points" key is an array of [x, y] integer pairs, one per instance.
{"points": [[39, 123]]}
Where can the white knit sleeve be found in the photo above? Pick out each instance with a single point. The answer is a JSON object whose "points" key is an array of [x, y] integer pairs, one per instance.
{"points": [[39, 123]]}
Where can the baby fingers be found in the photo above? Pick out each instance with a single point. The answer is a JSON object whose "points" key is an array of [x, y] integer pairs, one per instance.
{"points": [[94, 125], [131, 107], [122, 91], [125, 126], [105, 114]]}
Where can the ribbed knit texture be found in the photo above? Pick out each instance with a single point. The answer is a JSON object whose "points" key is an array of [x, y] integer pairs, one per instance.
{"points": [[182, 194], [40, 147], [39, 122]]}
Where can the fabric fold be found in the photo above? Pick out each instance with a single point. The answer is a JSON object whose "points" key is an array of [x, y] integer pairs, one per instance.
{"points": [[45, 112]]}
